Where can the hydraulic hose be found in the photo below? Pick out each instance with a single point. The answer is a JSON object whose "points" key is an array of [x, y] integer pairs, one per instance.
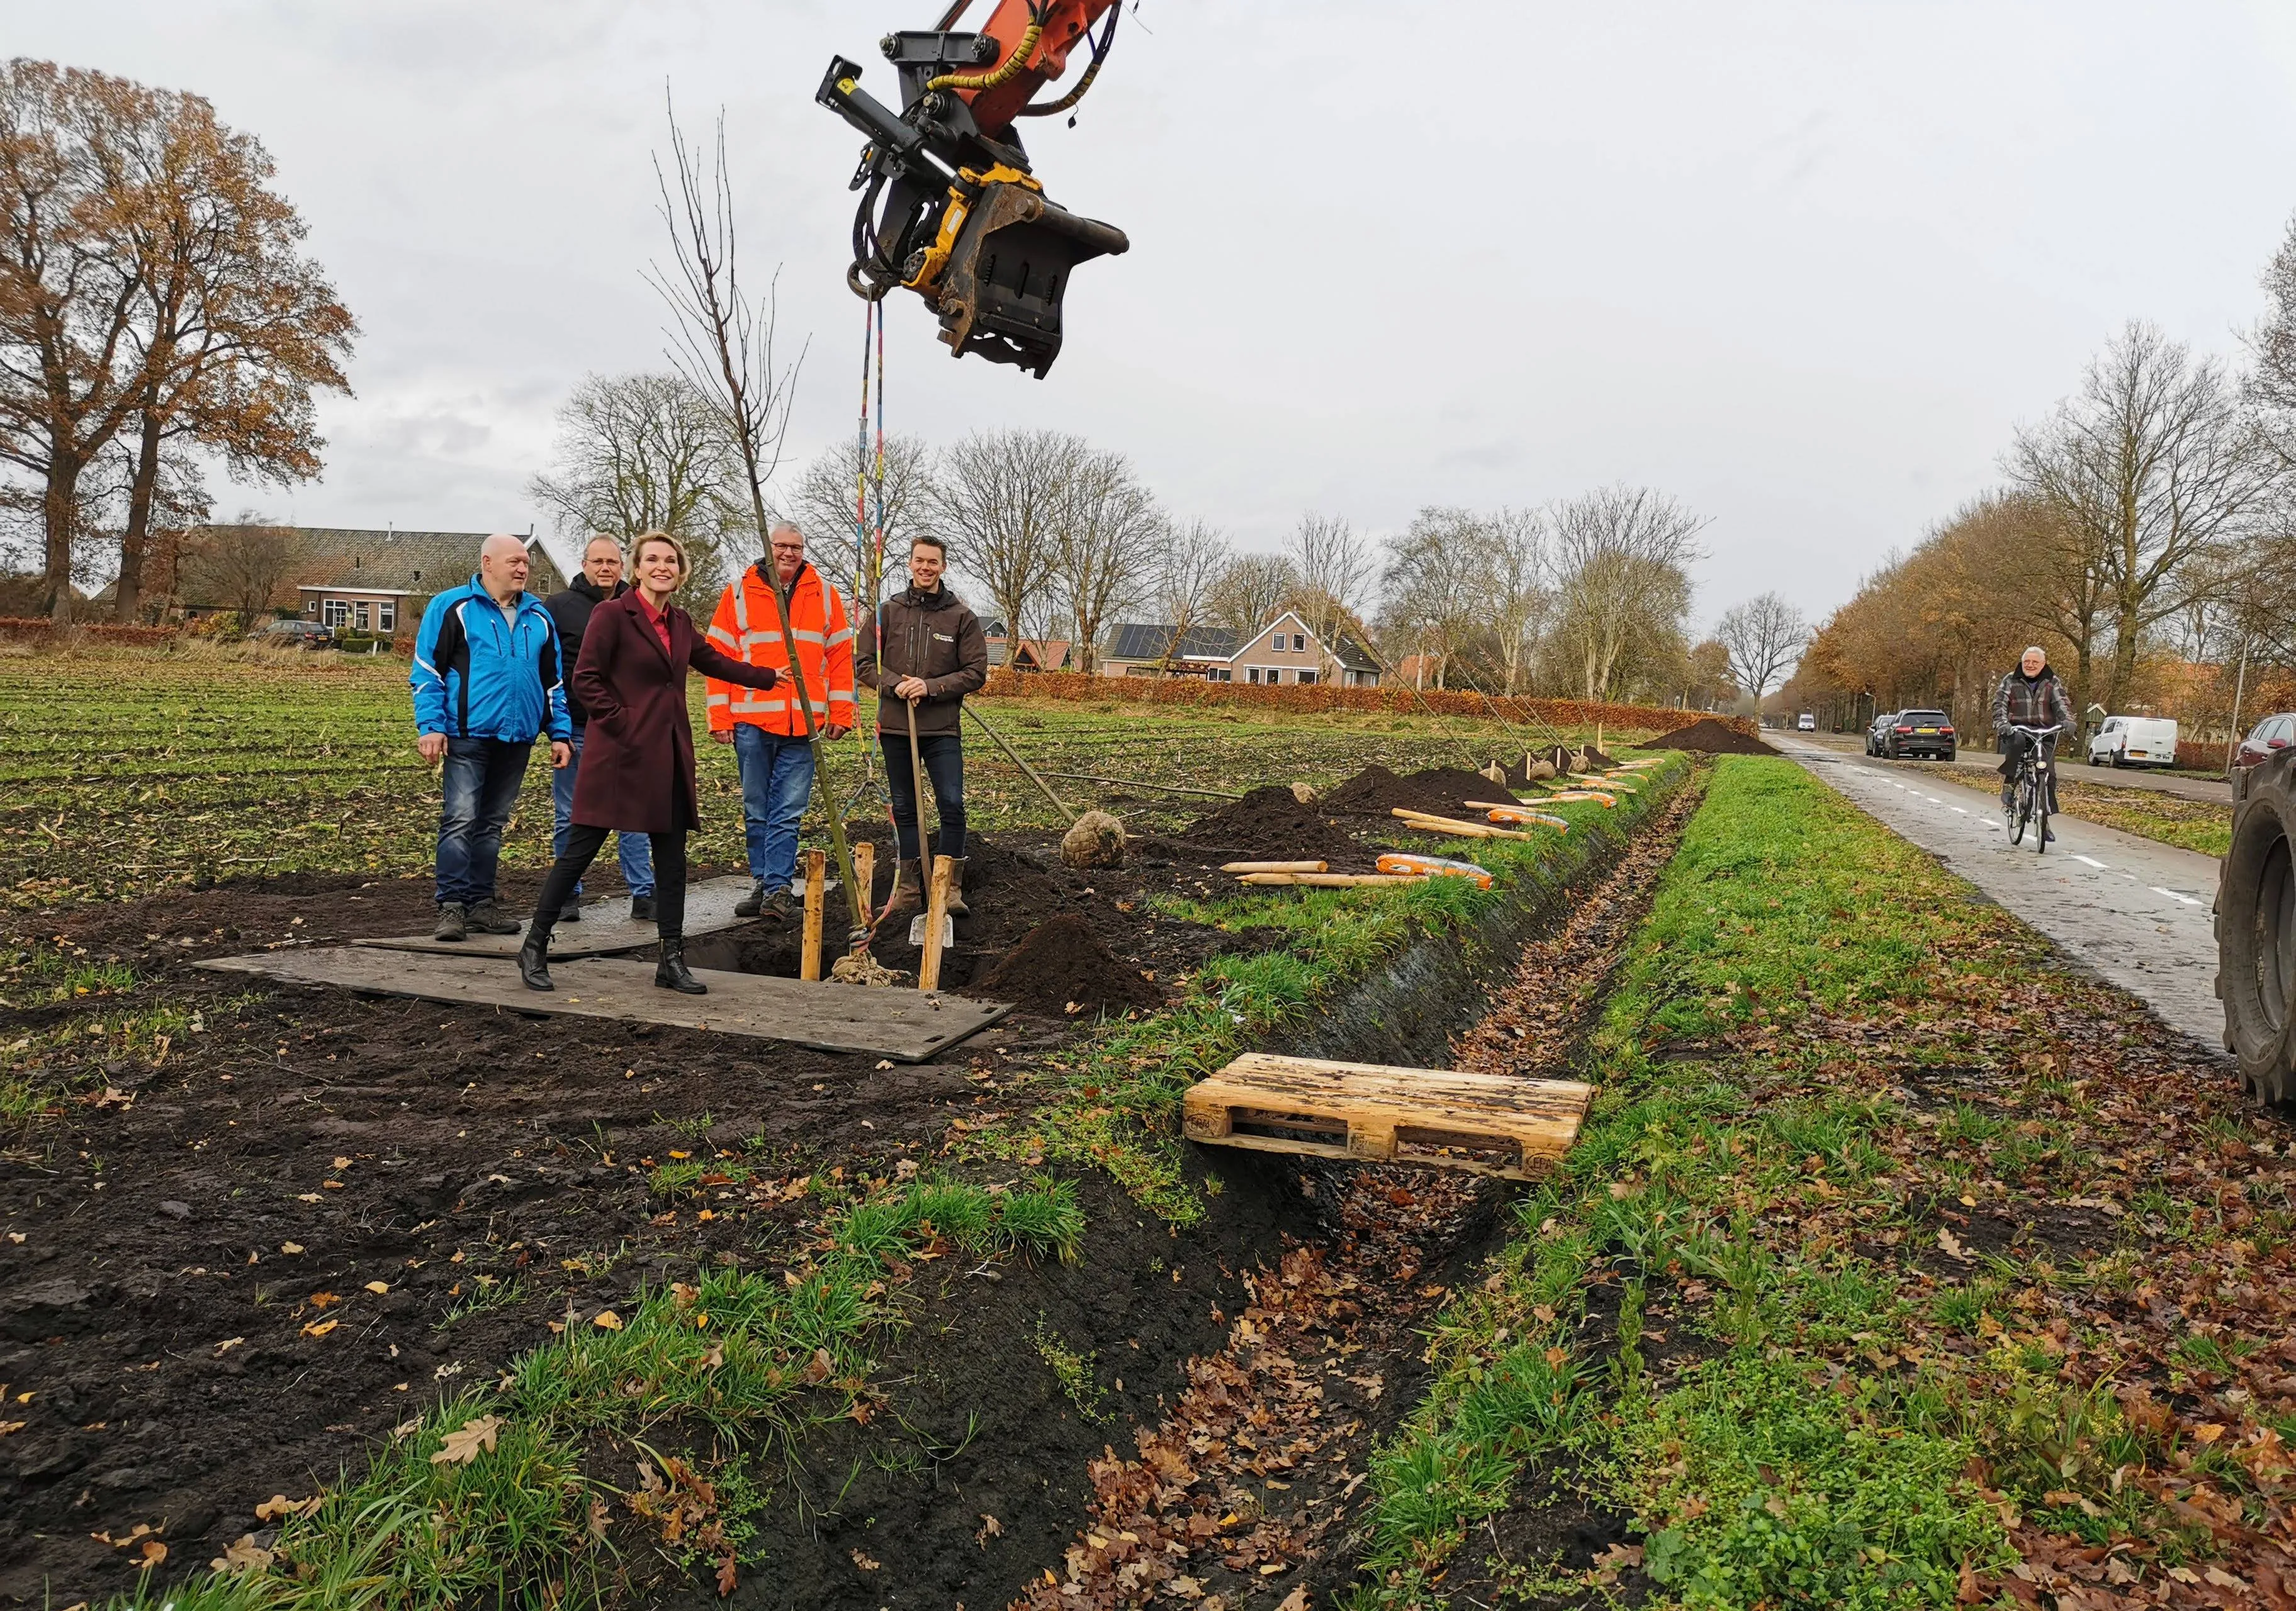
{"points": [[1098, 54], [1005, 71]]}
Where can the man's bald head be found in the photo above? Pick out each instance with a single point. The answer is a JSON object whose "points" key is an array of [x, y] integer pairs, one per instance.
{"points": [[501, 566]]}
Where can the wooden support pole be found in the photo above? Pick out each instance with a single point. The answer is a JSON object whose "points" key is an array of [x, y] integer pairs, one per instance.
{"points": [[1452, 826], [865, 881], [936, 914], [808, 956], [1275, 867]]}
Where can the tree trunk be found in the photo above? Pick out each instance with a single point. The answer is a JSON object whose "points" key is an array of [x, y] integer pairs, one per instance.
{"points": [[59, 514], [127, 592]]}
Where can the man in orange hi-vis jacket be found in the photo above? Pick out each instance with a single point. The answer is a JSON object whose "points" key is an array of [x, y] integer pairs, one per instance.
{"points": [[767, 727]]}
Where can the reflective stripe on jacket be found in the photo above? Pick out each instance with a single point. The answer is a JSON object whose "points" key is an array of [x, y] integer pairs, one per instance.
{"points": [[478, 675], [749, 627]]}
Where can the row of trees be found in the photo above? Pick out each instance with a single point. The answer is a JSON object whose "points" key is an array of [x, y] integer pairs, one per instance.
{"points": [[156, 309], [2144, 534], [1590, 596]]}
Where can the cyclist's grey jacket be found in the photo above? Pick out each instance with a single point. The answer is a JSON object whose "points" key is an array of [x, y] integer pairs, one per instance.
{"points": [[2023, 701]]}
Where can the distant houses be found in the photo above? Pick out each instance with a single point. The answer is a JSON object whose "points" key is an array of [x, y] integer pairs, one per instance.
{"points": [[353, 579], [1285, 651]]}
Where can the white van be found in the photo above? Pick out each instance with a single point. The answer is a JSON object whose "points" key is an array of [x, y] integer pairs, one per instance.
{"points": [[2134, 741], [1807, 721]]}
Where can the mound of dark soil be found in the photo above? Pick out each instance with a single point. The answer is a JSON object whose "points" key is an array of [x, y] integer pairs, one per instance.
{"points": [[1270, 824], [1375, 791], [1708, 736], [1061, 963]]}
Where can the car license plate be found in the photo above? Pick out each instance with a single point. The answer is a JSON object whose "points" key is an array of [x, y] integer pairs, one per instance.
{"points": [[2137, 755], [1931, 731]]}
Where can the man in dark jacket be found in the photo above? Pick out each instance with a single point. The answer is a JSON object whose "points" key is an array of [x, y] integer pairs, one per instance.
{"points": [[2030, 697], [600, 580], [933, 654], [488, 681]]}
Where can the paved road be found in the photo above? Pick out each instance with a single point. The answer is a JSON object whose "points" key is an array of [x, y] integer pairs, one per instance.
{"points": [[2191, 788], [2135, 910]]}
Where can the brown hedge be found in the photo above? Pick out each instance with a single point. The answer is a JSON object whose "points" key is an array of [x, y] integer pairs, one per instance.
{"points": [[1569, 714], [22, 629]]}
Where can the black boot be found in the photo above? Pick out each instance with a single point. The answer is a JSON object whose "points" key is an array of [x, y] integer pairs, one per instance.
{"points": [[534, 956], [671, 972], [753, 902]]}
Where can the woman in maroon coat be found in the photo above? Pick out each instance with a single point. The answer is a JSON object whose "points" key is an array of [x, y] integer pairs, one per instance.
{"points": [[637, 759]]}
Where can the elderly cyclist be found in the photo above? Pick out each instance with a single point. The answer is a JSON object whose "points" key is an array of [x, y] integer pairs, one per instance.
{"points": [[2030, 696]]}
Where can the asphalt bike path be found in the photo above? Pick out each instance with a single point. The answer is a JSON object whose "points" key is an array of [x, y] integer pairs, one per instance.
{"points": [[2074, 770], [2135, 910]]}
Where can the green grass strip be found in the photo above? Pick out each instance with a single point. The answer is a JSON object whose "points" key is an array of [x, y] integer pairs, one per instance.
{"points": [[483, 1499]]}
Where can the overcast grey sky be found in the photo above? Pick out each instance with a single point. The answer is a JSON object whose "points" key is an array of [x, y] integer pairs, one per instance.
{"points": [[1804, 266]]}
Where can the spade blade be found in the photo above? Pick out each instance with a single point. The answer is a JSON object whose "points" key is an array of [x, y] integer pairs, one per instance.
{"points": [[947, 930]]}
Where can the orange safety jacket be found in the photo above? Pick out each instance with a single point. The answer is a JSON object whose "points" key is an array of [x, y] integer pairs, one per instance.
{"points": [[748, 627]]}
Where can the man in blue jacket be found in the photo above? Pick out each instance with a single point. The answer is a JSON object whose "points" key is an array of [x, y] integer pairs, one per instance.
{"points": [[487, 683]]}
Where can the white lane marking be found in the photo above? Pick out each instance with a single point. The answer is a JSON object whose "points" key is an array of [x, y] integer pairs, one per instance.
{"points": [[2172, 894], [1963, 809], [2091, 860]]}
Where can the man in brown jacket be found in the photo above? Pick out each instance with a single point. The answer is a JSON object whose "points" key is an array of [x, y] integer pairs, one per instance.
{"points": [[933, 654]]}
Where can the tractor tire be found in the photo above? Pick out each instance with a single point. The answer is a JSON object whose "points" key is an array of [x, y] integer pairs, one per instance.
{"points": [[2256, 942]]}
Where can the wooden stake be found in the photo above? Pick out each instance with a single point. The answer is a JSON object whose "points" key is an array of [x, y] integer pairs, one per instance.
{"points": [[1275, 866], [864, 880], [936, 914], [808, 956], [1454, 827]]}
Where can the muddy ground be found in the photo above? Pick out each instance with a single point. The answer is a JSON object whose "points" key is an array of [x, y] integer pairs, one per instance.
{"points": [[161, 1337]]}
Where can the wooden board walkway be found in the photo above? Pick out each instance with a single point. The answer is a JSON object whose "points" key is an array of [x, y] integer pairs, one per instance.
{"points": [[908, 1026], [1372, 1113], [606, 927]]}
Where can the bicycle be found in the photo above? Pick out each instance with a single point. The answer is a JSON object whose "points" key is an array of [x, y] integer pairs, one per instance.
{"points": [[2029, 787]]}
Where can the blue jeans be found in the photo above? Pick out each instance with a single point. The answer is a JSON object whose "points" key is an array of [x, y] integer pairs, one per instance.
{"points": [[777, 782], [943, 753], [480, 778], [637, 855]]}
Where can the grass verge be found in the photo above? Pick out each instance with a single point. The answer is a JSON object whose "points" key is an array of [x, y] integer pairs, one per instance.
{"points": [[1895, 1266], [493, 1497]]}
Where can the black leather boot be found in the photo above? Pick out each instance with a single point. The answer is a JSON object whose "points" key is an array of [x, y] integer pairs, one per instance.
{"points": [[671, 972], [534, 956]]}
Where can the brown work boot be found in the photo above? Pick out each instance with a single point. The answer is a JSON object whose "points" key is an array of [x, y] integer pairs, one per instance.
{"points": [[909, 891], [956, 906]]}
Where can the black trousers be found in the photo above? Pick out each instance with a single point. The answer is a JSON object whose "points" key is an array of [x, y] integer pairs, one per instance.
{"points": [[582, 843]]}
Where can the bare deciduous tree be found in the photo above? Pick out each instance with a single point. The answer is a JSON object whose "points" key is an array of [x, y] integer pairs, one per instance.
{"points": [[1106, 546], [1437, 587], [1622, 580], [244, 565], [1000, 498], [1334, 567], [2151, 464], [650, 452], [824, 502], [1249, 592], [1189, 568], [1763, 637]]}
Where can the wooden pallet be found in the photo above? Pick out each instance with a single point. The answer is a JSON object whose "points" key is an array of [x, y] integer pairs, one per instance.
{"points": [[1371, 1113], [908, 1026]]}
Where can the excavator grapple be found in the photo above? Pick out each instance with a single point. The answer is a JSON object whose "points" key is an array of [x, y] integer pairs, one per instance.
{"points": [[949, 207]]}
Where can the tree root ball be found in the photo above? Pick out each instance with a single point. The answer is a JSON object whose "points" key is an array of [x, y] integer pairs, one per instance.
{"points": [[1097, 840]]}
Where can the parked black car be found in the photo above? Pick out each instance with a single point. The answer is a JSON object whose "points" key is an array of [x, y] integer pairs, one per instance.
{"points": [[301, 634], [1920, 733], [1883, 720], [2255, 913]]}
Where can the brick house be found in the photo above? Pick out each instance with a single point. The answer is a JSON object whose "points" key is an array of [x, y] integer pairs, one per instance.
{"points": [[377, 582], [1283, 652]]}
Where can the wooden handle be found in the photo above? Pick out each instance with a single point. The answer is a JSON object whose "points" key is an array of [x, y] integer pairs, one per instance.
{"points": [[936, 913], [1275, 867], [808, 956]]}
